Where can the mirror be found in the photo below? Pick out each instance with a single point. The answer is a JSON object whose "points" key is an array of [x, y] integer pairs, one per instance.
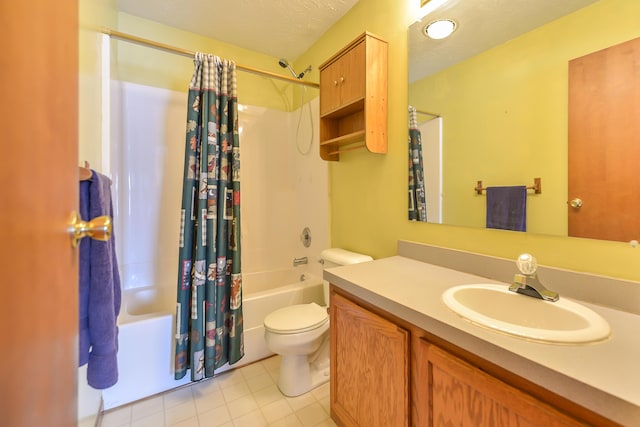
{"points": [[502, 99]]}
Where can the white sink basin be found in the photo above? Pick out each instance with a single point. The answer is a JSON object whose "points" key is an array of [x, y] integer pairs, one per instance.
{"points": [[495, 307]]}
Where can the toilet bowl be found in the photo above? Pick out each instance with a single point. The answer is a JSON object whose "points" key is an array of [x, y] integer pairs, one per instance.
{"points": [[297, 333], [300, 334]]}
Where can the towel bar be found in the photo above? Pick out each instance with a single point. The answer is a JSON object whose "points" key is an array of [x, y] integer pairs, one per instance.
{"points": [[536, 187], [344, 150]]}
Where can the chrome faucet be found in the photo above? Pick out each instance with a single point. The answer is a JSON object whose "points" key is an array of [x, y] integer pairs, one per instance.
{"points": [[300, 261], [527, 283]]}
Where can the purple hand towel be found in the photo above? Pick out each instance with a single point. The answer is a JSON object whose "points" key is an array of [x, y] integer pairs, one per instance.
{"points": [[507, 208], [100, 293]]}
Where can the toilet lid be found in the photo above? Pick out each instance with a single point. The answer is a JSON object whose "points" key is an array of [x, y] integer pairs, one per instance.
{"points": [[296, 318]]}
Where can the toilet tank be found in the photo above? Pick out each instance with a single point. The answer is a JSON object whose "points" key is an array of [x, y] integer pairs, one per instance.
{"points": [[336, 257]]}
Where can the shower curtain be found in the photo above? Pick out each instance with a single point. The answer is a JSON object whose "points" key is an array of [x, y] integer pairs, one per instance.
{"points": [[417, 193], [209, 329]]}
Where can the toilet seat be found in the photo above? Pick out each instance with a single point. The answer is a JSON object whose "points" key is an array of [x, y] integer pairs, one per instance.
{"points": [[296, 319]]}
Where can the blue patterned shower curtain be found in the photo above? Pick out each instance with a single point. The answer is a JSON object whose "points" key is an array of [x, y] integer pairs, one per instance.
{"points": [[209, 330], [417, 192]]}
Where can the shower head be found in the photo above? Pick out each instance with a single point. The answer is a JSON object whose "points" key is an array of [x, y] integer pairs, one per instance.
{"points": [[285, 64], [306, 70]]}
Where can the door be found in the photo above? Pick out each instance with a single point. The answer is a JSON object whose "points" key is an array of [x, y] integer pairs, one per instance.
{"points": [[604, 143], [38, 191]]}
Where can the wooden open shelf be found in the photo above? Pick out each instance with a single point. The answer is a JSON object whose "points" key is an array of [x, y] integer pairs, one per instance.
{"points": [[331, 148]]}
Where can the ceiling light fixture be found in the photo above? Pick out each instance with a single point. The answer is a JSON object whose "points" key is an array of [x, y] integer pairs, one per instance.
{"points": [[440, 29]]}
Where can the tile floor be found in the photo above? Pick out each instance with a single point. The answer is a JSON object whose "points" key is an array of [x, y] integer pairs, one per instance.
{"points": [[244, 397]]}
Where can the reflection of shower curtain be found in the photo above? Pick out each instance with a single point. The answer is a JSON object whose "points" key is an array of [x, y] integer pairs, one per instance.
{"points": [[417, 197], [209, 311]]}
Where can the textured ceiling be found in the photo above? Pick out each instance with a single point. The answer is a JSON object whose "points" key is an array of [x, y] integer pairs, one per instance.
{"points": [[287, 28], [281, 28], [482, 24]]}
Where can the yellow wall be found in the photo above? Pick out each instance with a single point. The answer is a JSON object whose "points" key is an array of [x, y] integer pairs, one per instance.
{"points": [[92, 14], [505, 114], [368, 191], [157, 68]]}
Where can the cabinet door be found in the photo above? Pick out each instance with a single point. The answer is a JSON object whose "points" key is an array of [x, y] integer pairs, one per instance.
{"points": [[353, 74], [329, 87], [369, 368], [459, 394], [343, 81]]}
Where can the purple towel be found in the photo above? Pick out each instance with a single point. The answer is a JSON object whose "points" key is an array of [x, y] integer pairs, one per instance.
{"points": [[100, 293], [507, 208]]}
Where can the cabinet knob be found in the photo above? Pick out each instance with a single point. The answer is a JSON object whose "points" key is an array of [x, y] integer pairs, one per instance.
{"points": [[341, 79], [335, 83]]}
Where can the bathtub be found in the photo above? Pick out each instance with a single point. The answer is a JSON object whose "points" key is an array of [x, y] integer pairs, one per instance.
{"points": [[146, 330]]}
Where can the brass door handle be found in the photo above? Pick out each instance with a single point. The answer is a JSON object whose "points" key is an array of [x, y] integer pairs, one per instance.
{"points": [[98, 228], [576, 203]]}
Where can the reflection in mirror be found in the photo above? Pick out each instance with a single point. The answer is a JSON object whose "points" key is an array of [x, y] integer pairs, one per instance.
{"points": [[604, 144], [425, 166], [506, 105]]}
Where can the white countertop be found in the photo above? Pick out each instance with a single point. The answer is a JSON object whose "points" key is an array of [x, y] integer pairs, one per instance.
{"points": [[603, 377]]}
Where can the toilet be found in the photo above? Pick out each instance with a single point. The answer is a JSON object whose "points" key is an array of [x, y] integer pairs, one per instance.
{"points": [[300, 334]]}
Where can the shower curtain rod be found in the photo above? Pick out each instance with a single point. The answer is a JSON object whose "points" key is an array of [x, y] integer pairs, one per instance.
{"points": [[426, 113], [184, 52]]}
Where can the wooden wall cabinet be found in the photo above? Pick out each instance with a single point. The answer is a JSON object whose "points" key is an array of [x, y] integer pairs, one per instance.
{"points": [[388, 373], [353, 98]]}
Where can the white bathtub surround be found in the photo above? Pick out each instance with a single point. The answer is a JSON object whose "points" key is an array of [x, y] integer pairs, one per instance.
{"points": [[147, 153], [144, 359], [282, 190], [89, 400]]}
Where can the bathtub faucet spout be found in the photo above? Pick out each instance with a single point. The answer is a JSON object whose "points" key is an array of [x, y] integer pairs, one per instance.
{"points": [[300, 261]]}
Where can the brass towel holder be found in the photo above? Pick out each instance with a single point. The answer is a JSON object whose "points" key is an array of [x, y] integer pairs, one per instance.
{"points": [[536, 187]]}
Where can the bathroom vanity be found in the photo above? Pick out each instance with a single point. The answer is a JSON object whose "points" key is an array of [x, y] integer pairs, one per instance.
{"points": [[400, 357]]}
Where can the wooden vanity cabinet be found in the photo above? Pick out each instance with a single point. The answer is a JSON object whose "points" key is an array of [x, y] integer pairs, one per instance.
{"points": [[459, 394], [369, 367], [353, 98], [386, 372]]}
